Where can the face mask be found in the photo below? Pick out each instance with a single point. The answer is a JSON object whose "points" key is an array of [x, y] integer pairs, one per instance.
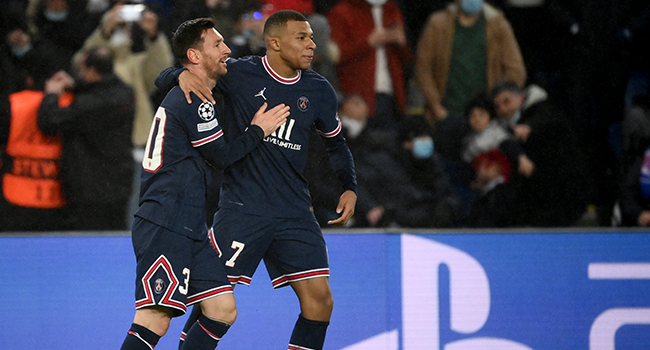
{"points": [[56, 16], [353, 127], [471, 7], [120, 37], [376, 2], [21, 51], [422, 147]]}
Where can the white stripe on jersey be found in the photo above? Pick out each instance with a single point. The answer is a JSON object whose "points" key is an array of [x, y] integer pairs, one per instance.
{"points": [[331, 133], [206, 140]]}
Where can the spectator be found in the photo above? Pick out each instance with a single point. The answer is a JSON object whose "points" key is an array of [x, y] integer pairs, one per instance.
{"points": [[556, 193], [495, 203], [97, 163], [248, 38], [488, 134], [634, 197], [32, 199], [65, 23], [373, 55], [221, 10], [26, 53], [426, 170], [418, 195], [140, 52], [463, 50], [306, 7]]}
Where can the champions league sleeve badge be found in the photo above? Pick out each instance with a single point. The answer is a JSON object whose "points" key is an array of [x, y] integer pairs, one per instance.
{"points": [[206, 111]]}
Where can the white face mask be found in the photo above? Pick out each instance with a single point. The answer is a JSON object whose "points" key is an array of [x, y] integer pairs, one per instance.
{"points": [[376, 2], [120, 37]]}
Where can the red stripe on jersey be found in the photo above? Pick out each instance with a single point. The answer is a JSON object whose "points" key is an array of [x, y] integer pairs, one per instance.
{"points": [[208, 294], [332, 133], [296, 347], [239, 279], [276, 76], [208, 139], [213, 241], [300, 276]]}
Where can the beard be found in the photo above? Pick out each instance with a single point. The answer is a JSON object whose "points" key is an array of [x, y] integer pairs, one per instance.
{"points": [[217, 71]]}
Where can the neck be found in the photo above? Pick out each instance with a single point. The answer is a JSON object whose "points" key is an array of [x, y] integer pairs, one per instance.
{"points": [[203, 75], [466, 20], [92, 77], [280, 66]]}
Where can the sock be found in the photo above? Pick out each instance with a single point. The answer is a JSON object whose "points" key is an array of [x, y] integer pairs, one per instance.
{"points": [[139, 338], [191, 320], [308, 334], [205, 334]]}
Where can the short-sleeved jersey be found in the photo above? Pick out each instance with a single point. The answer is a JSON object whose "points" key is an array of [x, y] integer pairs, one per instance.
{"points": [[269, 180], [174, 174]]}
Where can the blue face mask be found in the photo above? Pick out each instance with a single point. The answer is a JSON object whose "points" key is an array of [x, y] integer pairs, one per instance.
{"points": [[56, 16], [471, 7], [21, 51], [422, 147]]}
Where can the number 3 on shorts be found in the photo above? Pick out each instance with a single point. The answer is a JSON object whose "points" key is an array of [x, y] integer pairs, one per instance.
{"points": [[238, 247]]}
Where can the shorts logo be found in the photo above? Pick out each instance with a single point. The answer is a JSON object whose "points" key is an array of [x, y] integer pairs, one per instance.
{"points": [[206, 111], [159, 286], [303, 104]]}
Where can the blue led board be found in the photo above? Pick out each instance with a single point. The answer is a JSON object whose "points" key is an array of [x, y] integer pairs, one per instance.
{"points": [[487, 291]]}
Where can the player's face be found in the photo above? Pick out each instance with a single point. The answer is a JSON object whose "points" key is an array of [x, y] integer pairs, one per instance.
{"points": [[297, 45], [507, 103], [215, 53]]}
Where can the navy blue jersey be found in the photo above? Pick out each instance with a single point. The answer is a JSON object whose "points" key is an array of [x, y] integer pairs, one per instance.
{"points": [[174, 178], [270, 179]]}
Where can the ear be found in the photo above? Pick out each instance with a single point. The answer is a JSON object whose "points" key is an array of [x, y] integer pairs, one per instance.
{"points": [[194, 56], [274, 43]]}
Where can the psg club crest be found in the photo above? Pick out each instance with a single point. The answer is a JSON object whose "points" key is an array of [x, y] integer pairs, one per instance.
{"points": [[159, 286], [206, 111], [303, 104]]}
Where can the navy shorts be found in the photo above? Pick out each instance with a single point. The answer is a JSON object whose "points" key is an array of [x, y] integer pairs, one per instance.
{"points": [[174, 270], [292, 249]]}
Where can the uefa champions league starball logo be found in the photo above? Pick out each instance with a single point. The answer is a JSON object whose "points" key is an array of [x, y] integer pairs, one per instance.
{"points": [[206, 111]]}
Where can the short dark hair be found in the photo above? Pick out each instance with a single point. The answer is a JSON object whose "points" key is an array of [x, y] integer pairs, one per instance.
{"points": [[279, 19], [100, 58], [505, 86], [482, 101], [189, 35]]}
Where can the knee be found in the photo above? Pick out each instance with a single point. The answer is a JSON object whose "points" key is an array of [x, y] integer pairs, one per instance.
{"points": [[320, 299], [220, 308], [155, 319], [326, 300]]}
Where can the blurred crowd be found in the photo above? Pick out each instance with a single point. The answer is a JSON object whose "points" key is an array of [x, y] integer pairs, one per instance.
{"points": [[459, 113]]}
